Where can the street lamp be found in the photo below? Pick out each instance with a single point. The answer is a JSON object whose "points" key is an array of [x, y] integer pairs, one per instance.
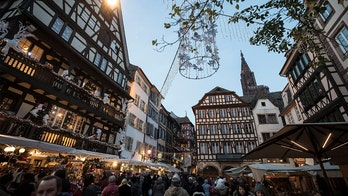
{"points": [[111, 3]]}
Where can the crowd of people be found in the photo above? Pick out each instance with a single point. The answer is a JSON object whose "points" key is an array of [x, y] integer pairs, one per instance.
{"points": [[56, 183]]}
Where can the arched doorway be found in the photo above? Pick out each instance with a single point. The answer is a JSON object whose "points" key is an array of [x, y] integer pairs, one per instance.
{"points": [[210, 171]]}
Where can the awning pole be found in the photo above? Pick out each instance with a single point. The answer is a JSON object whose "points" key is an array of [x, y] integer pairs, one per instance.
{"points": [[317, 154], [327, 180]]}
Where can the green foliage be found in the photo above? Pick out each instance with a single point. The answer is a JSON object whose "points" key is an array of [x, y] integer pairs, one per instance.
{"points": [[281, 24]]}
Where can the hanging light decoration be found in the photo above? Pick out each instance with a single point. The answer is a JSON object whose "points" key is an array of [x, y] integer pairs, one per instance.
{"points": [[9, 149], [198, 53], [21, 150]]}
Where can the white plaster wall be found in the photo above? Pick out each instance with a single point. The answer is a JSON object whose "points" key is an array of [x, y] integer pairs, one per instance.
{"points": [[268, 109]]}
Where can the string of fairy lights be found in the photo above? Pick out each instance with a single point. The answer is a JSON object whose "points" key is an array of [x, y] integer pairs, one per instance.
{"points": [[197, 56]]}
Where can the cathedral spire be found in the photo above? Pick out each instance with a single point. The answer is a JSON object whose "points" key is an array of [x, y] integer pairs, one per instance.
{"points": [[244, 65], [248, 81], [247, 78]]}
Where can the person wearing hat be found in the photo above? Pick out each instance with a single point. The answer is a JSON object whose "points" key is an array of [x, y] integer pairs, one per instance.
{"points": [[259, 190], [175, 188], [159, 187], [221, 189]]}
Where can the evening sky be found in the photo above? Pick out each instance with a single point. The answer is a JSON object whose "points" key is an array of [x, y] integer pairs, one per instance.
{"points": [[143, 22]]}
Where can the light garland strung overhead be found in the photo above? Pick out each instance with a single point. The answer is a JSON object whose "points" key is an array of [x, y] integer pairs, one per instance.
{"points": [[197, 53]]}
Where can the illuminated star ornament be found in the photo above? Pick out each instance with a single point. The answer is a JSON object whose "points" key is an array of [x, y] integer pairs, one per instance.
{"points": [[197, 53]]}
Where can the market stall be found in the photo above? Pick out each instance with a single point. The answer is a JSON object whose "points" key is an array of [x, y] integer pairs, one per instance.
{"points": [[33, 144]]}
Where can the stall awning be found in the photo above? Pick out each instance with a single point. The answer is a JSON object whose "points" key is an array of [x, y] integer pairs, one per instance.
{"points": [[29, 143], [237, 171], [142, 163], [126, 161], [91, 154], [48, 147], [333, 171], [167, 166], [327, 166], [260, 170]]}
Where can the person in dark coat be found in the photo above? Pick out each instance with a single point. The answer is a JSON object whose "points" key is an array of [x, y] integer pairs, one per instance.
{"points": [[166, 181], [65, 182], [194, 185], [90, 189], [27, 186], [136, 186], [125, 189], [199, 191], [147, 183], [5, 181], [159, 187]]}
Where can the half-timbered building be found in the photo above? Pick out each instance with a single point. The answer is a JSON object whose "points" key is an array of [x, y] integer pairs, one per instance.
{"points": [[167, 127], [186, 140], [317, 90], [225, 131], [63, 73], [318, 81]]}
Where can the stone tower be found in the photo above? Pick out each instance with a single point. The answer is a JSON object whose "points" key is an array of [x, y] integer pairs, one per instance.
{"points": [[249, 85]]}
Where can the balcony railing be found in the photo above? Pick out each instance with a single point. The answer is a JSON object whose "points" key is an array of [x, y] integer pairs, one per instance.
{"points": [[14, 126], [22, 65]]}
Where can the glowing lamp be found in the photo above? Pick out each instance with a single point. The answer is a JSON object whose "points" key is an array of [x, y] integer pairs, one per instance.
{"points": [[21, 150], [9, 149]]}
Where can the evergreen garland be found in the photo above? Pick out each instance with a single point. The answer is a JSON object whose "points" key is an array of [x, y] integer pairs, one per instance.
{"points": [[90, 164]]}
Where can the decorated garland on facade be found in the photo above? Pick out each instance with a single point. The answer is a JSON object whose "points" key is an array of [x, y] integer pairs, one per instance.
{"points": [[89, 165], [74, 134]]}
